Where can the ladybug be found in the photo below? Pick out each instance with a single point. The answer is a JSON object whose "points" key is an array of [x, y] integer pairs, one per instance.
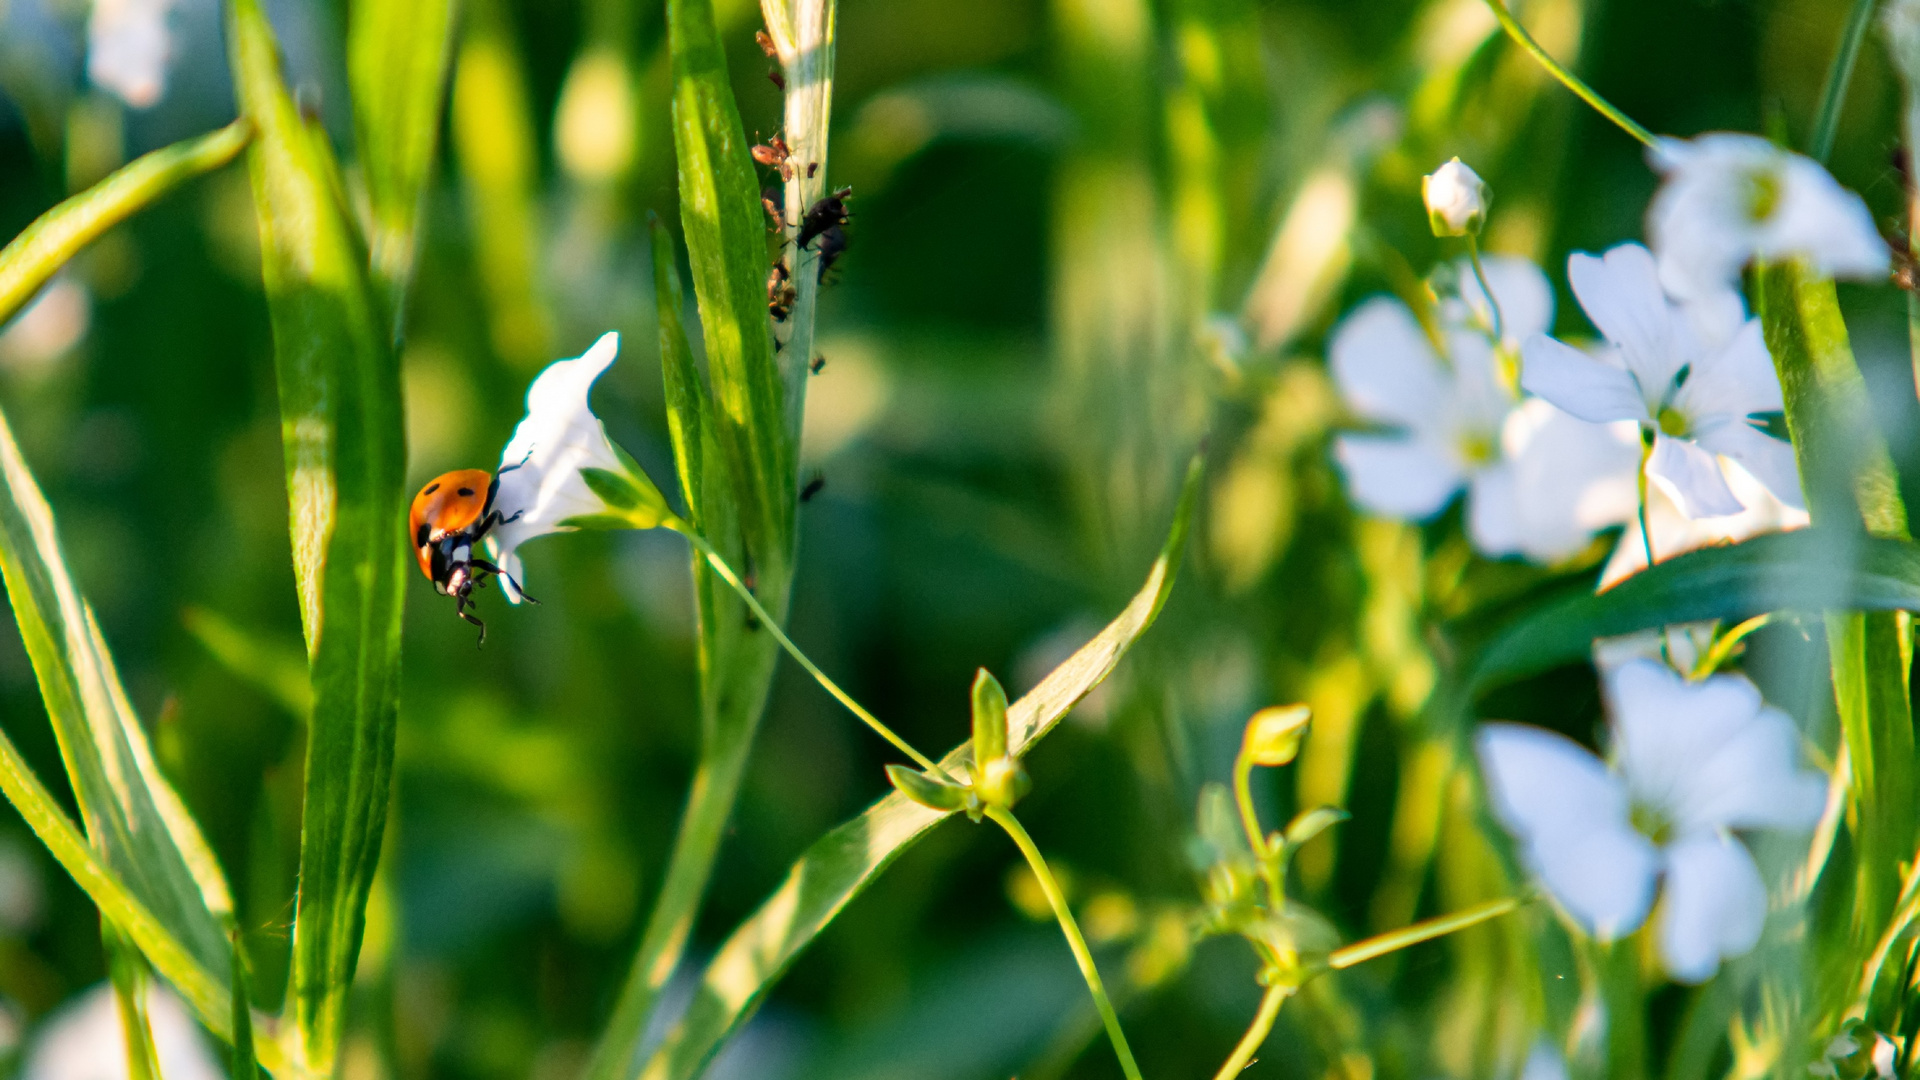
{"points": [[449, 518]]}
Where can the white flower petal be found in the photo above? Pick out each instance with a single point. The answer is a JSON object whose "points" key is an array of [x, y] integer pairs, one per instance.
{"points": [[128, 49], [1570, 479], [1620, 292], [1716, 906], [1692, 477], [1665, 727], [1570, 815], [1825, 222], [540, 481], [1737, 379], [1493, 513], [1590, 389], [1385, 365], [1674, 533], [1771, 461], [1397, 477], [1752, 780]]}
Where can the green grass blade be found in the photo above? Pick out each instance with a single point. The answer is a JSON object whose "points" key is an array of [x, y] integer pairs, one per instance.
{"points": [[397, 57], [40, 250], [725, 229], [1851, 488], [1794, 571], [345, 457], [132, 816], [840, 865], [128, 972]]}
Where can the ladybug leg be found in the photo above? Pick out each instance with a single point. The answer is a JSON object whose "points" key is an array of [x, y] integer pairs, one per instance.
{"points": [[460, 608], [482, 564]]}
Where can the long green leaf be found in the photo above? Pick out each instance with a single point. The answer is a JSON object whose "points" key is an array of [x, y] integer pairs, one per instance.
{"points": [[345, 457], [397, 57], [1851, 488], [1794, 571], [132, 816], [725, 230], [207, 995], [840, 865], [39, 252]]}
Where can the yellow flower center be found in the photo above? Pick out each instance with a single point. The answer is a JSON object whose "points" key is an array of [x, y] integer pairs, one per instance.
{"points": [[1763, 194], [1651, 823], [1672, 421], [1476, 448]]}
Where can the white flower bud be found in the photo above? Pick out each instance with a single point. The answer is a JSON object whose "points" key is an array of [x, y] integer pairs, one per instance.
{"points": [[1456, 199]]}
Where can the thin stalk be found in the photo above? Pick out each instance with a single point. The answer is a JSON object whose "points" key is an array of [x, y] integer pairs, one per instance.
{"points": [[1394, 940], [1480, 275], [1081, 954], [1833, 98], [1250, 821], [1567, 78], [1646, 458], [768, 623], [1257, 1031], [1723, 646]]}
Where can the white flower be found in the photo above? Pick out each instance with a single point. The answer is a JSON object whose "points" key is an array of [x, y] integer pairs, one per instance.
{"points": [[1729, 199], [1676, 534], [541, 486], [1540, 482], [1693, 762], [1697, 375], [1456, 199], [84, 1040], [128, 47]]}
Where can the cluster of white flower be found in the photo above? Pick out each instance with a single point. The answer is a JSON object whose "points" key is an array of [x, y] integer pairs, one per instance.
{"points": [[1547, 439]]}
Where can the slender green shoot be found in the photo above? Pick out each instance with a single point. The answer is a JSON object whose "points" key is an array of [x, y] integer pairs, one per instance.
{"points": [[1257, 1032], [1833, 98], [1640, 478], [1394, 940], [1250, 821], [1480, 275], [1567, 78], [1081, 954], [1724, 644], [771, 625]]}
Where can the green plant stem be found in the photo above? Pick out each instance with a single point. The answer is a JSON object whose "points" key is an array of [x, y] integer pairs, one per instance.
{"points": [[1081, 954], [1250, 821], [1567, 78], [1833, 98], [1480, 275], [1724, 644], [768, 623], [1394, 940], [1646, 458], [1257, 1031]]}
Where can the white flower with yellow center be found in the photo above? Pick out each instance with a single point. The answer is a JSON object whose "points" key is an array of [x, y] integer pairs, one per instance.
{"points": [[1539, 482], [1697, 376], [1729, 199], [1693, 763], [561, 472]]}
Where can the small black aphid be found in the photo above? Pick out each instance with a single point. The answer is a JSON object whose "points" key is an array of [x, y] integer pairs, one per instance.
{"points": [[833, 244], [813, 488], [823, 215], [818, 363], [778, 80]]}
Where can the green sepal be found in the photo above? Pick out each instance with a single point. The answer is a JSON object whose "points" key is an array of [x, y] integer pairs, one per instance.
{"points": [[989, 719], [630, 494], [1311, 823], [1001, 782], [927, 791]]}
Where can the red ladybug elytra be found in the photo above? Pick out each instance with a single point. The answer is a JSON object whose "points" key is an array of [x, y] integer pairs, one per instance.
{"points": [[449, 518]]}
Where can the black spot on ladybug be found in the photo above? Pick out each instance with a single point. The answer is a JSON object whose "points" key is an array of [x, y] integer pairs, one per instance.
{"points": [[420, 538], [466, 493], [431, 488]]}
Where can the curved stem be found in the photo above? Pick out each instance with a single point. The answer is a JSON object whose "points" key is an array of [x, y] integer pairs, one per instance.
{"points": [[1567, 78], [1646, 458], [753, 604], [1250, 821], [1242, 1055], [1723, 646], [1833, 98], [1480, 275], [1081, 954], [1441, 925]]}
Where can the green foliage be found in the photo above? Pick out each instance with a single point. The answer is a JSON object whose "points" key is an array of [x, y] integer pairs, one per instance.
{"points": [[345, 449]]}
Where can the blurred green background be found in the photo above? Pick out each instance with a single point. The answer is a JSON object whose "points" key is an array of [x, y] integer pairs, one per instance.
{"points": [[1085, 233]]}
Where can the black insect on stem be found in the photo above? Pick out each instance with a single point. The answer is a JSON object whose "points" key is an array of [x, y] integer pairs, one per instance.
{"points": [[814, 487], [818, 363], [823, 215], [780, 291], [833, 244]]}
